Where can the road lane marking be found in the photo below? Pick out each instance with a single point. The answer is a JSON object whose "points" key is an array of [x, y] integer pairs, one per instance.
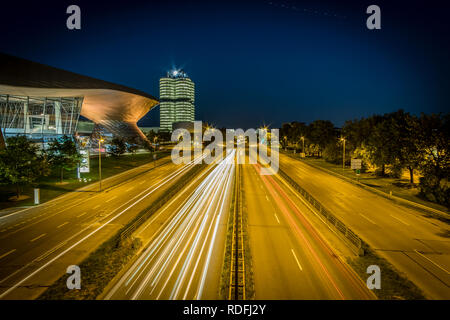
{"points": [[399, 220], [62, 224], [80, 215], [276, 217], [142, 182], [155, 187], [129, 189], [267, 198], [38, 237], [366, 218], [97, 206], [428, 260], [111, 199], [5, 254], [295, 257]]}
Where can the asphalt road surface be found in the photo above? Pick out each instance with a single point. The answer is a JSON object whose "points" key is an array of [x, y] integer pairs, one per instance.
{"points": [[185, 243], [290, 258], [417, 245]]}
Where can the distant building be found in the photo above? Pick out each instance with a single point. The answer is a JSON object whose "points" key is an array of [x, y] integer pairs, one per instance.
{"points": [[145, 130], [177, 93]]}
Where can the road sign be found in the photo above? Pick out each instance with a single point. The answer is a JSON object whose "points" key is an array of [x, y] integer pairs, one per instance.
{"points": [[356, 164], [84, 165]]}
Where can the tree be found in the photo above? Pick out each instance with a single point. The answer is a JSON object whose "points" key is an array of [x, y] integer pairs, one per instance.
{"points": [[21, 163], [63, 154], [321, 133], [380, 144], [405, 134], [434, 143], [117, 147], [132, 144]]}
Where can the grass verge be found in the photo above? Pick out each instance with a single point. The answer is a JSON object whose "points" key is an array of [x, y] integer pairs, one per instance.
{"points": [[394, 286]]}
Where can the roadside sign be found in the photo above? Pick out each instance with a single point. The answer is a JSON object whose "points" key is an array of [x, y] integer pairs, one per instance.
{"points": [[84, 165], [356, 164]]}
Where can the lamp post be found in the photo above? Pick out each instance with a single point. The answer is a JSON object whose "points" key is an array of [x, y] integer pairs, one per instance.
{"points": [[343, 153], [100, 162], [303, 144]]}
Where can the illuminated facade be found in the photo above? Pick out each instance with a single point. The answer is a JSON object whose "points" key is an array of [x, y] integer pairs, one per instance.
{"points": [[177, 95], [44, 103]]}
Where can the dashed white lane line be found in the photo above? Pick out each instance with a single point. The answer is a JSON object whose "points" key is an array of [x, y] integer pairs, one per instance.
{"points": [[366, 218], [111, 199], [276, 217], [97, 206], [38, 237], [399, 220], [5, 254], [267, 198], [62, 224], [295, 257], [143, 181], [129, 189], [82, 214]]}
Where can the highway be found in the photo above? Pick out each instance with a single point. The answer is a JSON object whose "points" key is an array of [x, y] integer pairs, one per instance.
{"points": [[415, 244], [37, 244], [290, 258], [185, 242]]}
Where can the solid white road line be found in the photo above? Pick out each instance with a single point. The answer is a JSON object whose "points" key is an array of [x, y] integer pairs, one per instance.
{"points": [[111, 199], [38, 237], [443, 269], [295, 257], [62, 224], [399, 220], [366, 218], [276, 217], [5, 254], [82, 214]]}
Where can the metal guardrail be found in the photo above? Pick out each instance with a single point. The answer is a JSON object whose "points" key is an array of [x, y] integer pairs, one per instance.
{"points": [[339, 226], [237, 269]]}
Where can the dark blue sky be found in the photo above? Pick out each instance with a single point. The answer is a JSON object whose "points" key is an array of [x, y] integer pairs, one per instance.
{"points": [[253, 62]]}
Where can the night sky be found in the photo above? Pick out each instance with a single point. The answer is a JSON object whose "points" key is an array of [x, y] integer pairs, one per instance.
{"points": [[253, 62]]}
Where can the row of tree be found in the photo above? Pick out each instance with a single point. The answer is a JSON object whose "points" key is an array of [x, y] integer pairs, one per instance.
{"points": [[397, 140], [23, 162]]}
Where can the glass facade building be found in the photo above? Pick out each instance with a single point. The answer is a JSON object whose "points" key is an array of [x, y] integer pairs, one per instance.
{"points": [[177, 97], [39, 118], [43, 102]]}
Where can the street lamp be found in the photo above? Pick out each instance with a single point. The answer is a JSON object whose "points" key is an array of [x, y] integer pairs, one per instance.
{"points": [[303, 144], [343, 152], [100, 162]]}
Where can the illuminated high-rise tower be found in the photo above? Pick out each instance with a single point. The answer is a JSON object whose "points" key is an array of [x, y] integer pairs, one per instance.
{"points": [[176, 93]]}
